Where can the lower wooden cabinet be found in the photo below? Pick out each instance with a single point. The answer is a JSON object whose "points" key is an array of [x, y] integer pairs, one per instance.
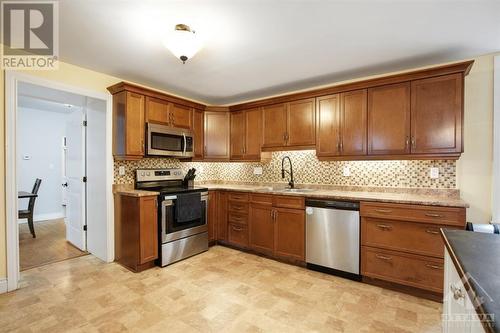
{"points": [[289, 233], [262, 228], [221, 216], [238, 235], [136, 231], [212, 216], [402, 244]]}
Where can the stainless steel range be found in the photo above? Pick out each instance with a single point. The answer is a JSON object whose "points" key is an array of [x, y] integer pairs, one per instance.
{"points": [[182, 215]]}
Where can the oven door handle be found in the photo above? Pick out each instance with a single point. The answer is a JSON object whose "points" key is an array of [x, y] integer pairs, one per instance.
{"points": [[185, 143]]}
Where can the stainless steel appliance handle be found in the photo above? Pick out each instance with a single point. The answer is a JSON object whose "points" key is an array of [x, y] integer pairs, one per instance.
{"points": [[185, 143]]}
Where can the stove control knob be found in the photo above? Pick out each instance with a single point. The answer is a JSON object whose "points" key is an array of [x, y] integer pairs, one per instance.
{"points": [[142, 173], [148, 173]]}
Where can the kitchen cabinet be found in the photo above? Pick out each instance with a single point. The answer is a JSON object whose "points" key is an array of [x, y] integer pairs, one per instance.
{"points": [[169, 114], [198, 130], [290, 125], [436, 115], [389, 119], [237, 219], [212, 216], [246, 135], [401, 243], [221, 216], [277, 226], [136, 231], [217, 136], [128, 125], [342, 124], [457, 303]]}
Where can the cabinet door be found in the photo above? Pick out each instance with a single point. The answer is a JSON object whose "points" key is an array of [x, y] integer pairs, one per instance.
{"points": [[222, 216], [274, 125], [157, 111], [253, 134], [261, 228], [212, 215], [148, 230], [216, 135], [181, 116], [237, 135], [198, 134], [289, 233], [135, 125], [389, 119], [354, 125], [436, 115], [328, 120], [301, 123]]}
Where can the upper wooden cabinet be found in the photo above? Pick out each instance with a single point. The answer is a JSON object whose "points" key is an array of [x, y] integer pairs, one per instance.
{"points": [[216, 135], [290, 125], [128, 125], [198, 130], [169, 114], [342, 125], [436, 115], [389, 119], [246, 135]]}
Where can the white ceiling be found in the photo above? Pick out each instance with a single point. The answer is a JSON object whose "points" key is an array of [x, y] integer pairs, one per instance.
{"points": [[260, 48]]}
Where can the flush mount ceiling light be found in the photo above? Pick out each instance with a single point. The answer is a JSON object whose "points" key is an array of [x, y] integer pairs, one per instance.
{"points": [[183, 42]]}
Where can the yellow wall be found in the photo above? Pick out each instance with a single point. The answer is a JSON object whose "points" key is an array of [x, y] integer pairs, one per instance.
{"points": [[473, 169]]}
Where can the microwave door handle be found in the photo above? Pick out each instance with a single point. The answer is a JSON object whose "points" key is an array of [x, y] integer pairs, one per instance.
{"points": [[185, 143]]}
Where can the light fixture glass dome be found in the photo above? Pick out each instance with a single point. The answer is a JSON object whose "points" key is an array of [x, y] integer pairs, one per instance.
{"points": [[183, 42]]}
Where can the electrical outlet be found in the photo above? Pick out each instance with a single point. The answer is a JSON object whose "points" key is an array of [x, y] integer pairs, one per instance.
{"points": [[121, 171], [346, 172], [257, 170], [434, 173]]}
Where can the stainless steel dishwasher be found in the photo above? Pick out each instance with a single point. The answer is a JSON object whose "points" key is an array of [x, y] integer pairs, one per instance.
{"points": [[332, 237]]}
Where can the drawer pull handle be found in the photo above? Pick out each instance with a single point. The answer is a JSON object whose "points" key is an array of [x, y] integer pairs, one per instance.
{"points": [[384, 226], [457, 292], [383, 257], [236, 228], [384, 211], [434, 266], [433, 215], [431, 231]]}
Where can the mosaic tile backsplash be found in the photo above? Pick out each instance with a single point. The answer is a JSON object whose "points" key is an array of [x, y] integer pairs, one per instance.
{"points": [[309, 170]]}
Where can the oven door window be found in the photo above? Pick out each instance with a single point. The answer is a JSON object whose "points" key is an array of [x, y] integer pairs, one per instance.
{"points": [[167, 142], [176, 226]]}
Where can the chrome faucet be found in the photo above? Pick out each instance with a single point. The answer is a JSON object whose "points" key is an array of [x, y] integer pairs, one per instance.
{"points": [[291, 182]]}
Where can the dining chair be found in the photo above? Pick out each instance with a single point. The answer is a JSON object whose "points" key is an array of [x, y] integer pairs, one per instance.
{"points": [[28, 213]]}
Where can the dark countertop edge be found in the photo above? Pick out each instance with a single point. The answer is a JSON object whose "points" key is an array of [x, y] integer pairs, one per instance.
{"points": [[326, 196], [471, 293]]}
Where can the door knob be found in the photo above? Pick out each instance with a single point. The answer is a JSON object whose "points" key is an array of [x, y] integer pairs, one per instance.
{"points": [[65, 184]]}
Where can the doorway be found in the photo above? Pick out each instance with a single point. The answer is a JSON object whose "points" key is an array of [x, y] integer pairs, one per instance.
{"points": [[59, 182]]}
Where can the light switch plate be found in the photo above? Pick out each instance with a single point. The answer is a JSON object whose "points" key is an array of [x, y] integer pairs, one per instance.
{"points": [[346, 172], [257, 170], [434, 173], [121, 170]]}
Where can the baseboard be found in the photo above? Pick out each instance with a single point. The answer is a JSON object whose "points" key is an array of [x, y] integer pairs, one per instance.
{"points": [[3, 285], [44, 217]]}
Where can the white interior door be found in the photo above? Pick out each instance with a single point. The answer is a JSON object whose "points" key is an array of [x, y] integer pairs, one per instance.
{"points": [[75, 171]]}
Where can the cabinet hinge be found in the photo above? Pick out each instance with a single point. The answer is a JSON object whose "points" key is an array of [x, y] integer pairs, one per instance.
{"points": [[85, 228], [84, 123], [85, 179]]}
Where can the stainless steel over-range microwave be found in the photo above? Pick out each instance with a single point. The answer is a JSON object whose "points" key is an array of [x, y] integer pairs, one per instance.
{"points": [[167, 141]]}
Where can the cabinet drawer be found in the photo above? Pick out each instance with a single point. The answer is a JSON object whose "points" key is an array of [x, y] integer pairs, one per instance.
{"points": [[237, 218], [238, 196], [407, 269], [238, 207], [412, 237], [284, 201], [238, 234], [416, 213], [262, 198]]}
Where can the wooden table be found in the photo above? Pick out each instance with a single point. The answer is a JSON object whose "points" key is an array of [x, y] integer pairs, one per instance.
{"points": [[24, 194]]}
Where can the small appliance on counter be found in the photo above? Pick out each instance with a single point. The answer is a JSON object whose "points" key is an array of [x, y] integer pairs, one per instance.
{"points": [[182, 213]]}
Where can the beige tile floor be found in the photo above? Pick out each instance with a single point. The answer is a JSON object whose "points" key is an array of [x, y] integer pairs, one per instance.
{"points": [[222, 290]]}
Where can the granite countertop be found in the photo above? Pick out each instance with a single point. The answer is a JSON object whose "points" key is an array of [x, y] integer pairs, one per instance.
{"points": [[475, 257], [128, 189], [424, 197]]}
